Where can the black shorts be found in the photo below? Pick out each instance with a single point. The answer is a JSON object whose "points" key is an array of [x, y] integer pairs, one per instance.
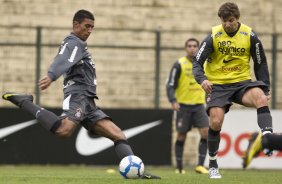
{"points": [[223, 95], [191, 116], [82, 109]]}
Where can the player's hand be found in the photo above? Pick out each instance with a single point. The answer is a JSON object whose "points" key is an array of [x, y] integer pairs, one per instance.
{"points": [[175, 106], [207, 86], [45, 82]]}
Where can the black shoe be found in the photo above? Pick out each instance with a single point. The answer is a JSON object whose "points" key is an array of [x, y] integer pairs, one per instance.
{"points": [[147, 175], [17, 98]]}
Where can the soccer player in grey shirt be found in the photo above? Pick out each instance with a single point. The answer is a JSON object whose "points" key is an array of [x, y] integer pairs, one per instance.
{"points": [[75, 63]]}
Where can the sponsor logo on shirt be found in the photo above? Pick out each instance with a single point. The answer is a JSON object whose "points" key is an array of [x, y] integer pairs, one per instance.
{"points": [[227, 61], [227, 49]]}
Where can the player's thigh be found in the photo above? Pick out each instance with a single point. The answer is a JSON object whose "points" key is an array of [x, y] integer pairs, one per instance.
{"points": [[99, 123], [254, 97], [204, 132], [181, 136], [74, 107], [106, 128], [66, 128], [216, 117], [183, 120], [221, 96], [200, 120], [200, 117]]}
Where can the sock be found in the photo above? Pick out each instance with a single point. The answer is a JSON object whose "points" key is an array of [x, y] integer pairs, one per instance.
{"points": [[203, 145], [179, 147], [47, 119], [213, 163], [264, 119], [272, 141], [122, 148], [213, 145]]}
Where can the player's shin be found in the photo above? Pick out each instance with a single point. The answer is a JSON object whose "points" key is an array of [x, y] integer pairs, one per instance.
{"points": [[179, 145], [264, 120], [47, 119], [202, 151], [213, 145], [122, 149]]}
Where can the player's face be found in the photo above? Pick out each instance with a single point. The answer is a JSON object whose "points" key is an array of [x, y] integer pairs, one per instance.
{"points": [[191, 48], [230, 24], [83, 29]]}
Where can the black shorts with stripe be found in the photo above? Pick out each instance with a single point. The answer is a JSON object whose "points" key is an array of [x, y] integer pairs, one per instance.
{"points": [[191, 116], [223, 95], [82, 109]]}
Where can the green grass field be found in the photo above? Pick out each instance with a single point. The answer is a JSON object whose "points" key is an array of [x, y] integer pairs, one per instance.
{"points": [[99, 175]]}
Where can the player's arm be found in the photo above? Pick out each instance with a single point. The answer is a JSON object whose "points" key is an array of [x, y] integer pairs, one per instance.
{"points": [[172, 83], [69, 54], [205, 50], [259, 58]]}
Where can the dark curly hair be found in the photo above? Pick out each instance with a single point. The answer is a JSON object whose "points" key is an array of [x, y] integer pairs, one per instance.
{"points": [[80, 15], [228, 9]]}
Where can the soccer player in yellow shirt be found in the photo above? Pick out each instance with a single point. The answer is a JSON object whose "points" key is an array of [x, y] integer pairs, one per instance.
{"points": [[226, 77], [187, 98]]}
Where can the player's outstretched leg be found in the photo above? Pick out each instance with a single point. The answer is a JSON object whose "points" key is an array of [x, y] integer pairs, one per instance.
{"points": [[17, 98], [123, 149], [254, 148], [106, 128], [47, 119]]}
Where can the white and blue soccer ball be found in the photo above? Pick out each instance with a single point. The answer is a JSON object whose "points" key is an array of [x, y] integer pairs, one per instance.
{"points": [[131, 167]]}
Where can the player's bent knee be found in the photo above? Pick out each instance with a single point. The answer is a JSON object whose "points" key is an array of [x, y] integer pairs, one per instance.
{"points": [[119, 135], [63, 134], [66, 129], [107, 128], [262, 101], [216, 126]]}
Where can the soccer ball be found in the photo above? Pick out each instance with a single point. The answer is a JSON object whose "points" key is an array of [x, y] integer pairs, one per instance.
{"points": [[131, 167]]}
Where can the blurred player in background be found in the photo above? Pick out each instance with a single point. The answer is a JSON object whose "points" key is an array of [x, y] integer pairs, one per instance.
{"points": [[75, 63], [257, 143], [187, 98], [227, 76]]}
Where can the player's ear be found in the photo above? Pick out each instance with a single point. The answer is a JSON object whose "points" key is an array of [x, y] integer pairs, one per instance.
{"points": [[75, 23]]}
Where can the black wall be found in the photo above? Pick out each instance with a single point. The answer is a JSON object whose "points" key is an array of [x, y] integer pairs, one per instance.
{"points": [[35, 145]]}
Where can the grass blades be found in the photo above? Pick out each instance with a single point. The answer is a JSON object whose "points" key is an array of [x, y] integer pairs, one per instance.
{"points": [[73, 174]]}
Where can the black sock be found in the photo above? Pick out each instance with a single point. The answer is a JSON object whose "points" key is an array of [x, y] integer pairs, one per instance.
{"points": [[213, 163], [264, 119], [179, 147], [47, 119], [272, 141], [122, 149], [30, 107], [213, 145], [203, 144]]}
